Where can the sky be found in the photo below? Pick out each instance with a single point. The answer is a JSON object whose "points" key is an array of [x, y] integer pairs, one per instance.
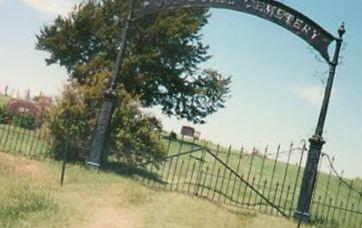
{"points": [[277, 83]]}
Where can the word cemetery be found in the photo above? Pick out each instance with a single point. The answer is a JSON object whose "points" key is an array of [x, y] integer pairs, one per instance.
{"points": [[273, 11]]}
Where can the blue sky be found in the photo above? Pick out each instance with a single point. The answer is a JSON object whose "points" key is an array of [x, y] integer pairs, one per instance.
{"points": [[276, 88]]}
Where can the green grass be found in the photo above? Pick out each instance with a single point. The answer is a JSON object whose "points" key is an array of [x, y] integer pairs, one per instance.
{"points": [[30, 196], [228, 189], [3, 100]]}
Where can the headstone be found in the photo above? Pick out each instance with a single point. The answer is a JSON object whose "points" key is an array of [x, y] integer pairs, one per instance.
{"points": [[27, 95], [187, 131], [6, 90], [21, 106]]}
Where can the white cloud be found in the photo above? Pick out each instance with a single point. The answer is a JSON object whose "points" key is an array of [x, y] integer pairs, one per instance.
{"points": [[51, 7], [312, 94], [2, 2]]}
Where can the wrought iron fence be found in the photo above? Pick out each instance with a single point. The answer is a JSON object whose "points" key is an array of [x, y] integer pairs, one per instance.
{"points": [[265, 180], [336, 200], [32, 143]]}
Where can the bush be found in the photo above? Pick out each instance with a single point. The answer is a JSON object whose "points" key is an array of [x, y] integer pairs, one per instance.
{"points": [[5, 116], [133, 136], [23, 120]]}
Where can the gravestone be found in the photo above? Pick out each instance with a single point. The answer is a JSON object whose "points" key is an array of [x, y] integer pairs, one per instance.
{"points": [[23, 106]]}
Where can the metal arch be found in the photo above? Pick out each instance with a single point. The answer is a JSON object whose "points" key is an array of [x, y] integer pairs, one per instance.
{"points": [[270, 10]]}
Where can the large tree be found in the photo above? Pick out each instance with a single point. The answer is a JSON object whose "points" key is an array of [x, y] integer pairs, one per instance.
{"points": [[162, 56]]}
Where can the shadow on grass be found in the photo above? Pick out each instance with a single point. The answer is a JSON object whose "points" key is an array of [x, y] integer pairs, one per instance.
{"points": [[127, 170]]}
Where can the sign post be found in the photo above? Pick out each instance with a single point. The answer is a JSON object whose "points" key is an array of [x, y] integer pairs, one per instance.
{"points": [[317, 142], [110, 96], [273, 11]]}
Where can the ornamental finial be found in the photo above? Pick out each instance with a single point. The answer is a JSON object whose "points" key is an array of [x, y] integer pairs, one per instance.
{"points": [[341, 30]]}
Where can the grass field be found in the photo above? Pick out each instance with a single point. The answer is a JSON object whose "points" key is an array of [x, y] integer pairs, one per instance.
{"points": [[3, 100], [30, 196], [279, 181]]}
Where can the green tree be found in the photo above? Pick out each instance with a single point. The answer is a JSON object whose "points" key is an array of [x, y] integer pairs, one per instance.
{"points": [[134, 136], [163, 55]]}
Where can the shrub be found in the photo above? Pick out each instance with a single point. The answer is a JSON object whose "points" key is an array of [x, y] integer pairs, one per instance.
{"points": [[23, 120], [133, 136], [4, 115]]}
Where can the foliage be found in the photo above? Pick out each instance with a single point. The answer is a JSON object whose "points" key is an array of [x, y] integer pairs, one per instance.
{"points": [[21, 119], [162, 57], [133, 135], [5, 116], [24, 120]]}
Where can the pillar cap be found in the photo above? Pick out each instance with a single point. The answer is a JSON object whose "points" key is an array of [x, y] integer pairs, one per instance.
{"points": [[317, 140]]}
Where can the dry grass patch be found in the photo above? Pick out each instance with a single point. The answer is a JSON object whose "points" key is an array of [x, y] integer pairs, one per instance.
{"points": [[176, 210], [22, 168], [30, 196]]}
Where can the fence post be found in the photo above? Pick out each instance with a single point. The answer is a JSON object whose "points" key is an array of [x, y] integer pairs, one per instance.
{"points": [[66, 147], [274, 168], [337, 196], [297, 178], [177, 159], [285, 172], [199, 172], [238, 171], [327, 186]]}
